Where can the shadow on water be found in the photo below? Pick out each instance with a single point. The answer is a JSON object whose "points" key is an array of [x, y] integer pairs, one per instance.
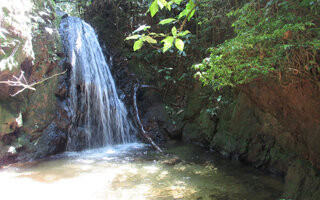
{"points": [[134, 171]]}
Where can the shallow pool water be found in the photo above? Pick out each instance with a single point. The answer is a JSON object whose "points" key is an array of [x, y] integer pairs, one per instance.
{"points": [[135, 171]]}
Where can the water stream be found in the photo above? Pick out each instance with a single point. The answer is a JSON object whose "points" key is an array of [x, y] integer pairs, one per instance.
{"points": [[134, 171]]}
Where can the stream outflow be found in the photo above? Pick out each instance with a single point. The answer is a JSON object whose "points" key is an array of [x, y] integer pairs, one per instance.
{"points": [[136, 171]]}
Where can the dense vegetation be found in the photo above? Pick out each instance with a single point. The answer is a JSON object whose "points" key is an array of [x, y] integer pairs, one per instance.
{"points": [[245, 39], [271, 38]]}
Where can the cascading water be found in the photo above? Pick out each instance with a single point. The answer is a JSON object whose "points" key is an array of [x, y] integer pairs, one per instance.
{"points": [[99, 118]]}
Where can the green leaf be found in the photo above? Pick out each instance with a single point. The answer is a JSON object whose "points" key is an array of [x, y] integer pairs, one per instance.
{"points": [[179, 44], [166, 21], [154, 8], [162, 3], [191, 14], [191, 6], [174, 31], [183, 13], [168, 6], [132, 37], [143, 27], [177, 1], [137, 45], [150, 40], [184, 33], [168, 42]]}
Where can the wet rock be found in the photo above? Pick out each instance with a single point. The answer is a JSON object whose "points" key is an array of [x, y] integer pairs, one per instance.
{"points": [[51, 68], [174, 131], [303, 181], [52, 141], [27, 67], [62, 93], [172, 161], [7, 139]]}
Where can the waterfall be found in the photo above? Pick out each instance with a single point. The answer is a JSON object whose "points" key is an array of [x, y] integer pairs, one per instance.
{"points": [[99, 118]]}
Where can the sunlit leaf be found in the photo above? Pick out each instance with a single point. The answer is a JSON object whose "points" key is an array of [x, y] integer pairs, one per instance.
{"points": [[150, 40], [137, 45], [191, 7], [141, 28], [179, 44], [184, 33], [162, 3], [166, 21], [132, 37], [168, 42], [177, 1], [174, 31], [154, 8], [183, 13]]}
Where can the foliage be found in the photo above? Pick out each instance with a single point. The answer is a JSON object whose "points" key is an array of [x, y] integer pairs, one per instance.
{"points": [[272, 37], [175, 36]]}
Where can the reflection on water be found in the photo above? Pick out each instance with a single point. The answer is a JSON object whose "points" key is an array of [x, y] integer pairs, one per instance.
{"points": [[134, 171]]}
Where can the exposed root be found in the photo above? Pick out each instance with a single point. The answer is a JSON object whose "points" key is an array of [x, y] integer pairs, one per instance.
{"points": [[136, 112]]}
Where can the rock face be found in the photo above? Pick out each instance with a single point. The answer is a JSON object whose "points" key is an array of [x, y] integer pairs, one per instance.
{"points": [[30, 121], [272, 126]]}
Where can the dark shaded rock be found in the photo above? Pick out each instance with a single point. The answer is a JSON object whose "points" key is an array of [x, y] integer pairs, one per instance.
{"points": [[62, 93], [64, 16], [7, 139], [27, 67], [296, 107], [60, 54], [174, 131], [51, 67], [8, 158], [52, 141], [154, 118], [302, 181]]}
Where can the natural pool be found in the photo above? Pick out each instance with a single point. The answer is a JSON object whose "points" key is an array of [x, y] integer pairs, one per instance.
{"points": [[135, 171]]}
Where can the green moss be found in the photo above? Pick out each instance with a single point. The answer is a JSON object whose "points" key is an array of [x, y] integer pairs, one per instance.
{"points": [[6, 117]]}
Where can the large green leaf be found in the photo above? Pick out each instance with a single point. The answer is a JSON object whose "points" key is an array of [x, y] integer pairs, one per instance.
{"points": [[174, 31], [168, 42], [154, 8], [137, 45], [162, 3], [167, 21], [150, 39], [191, 8], [179, 44], [183, 13], [183, 33]]}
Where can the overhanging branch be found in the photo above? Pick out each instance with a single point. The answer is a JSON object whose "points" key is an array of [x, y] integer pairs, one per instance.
{"points": [[22, 82]]}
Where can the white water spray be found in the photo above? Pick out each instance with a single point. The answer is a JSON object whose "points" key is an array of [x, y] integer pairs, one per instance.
{"points": [[99, 118]]}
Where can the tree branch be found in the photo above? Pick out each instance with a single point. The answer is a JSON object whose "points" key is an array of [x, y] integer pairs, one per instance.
{"points": [[185, 19], [136, 112], [22, 82]]}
